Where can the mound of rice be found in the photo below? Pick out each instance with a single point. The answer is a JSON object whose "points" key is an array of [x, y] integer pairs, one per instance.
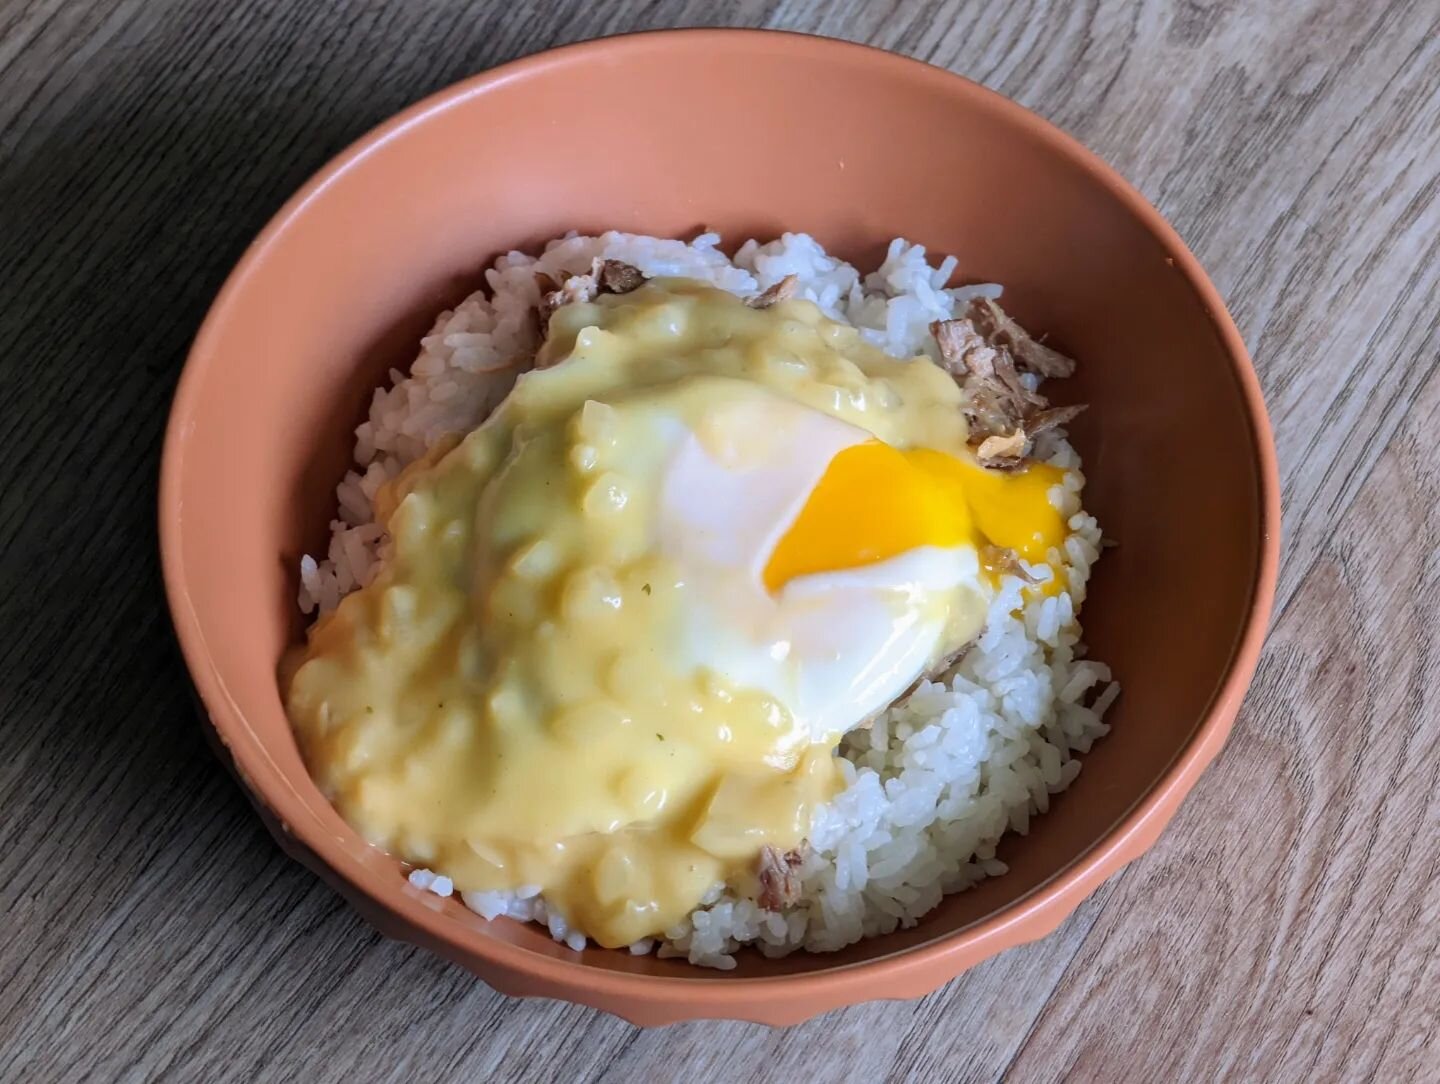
{"points": [[935, 783]]}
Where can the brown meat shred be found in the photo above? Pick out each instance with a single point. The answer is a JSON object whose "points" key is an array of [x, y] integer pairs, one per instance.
{"points": [[963, 350], [1008, 446], [986, 352], [999, 329], [990, 409], [1024, 399], [604, 277], [1053, 418], [1002, 399], [933, 673], [1000, 560], [617, 277], [779, 874], [575, 288], [783, 290]]}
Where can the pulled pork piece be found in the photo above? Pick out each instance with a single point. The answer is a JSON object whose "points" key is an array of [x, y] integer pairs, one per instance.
{"points": [[1008, 446], [575, 288], [783, 290], [1021, 394], [617, 277], [605, 277], [933, 673], [985, 351], [1000, 560], [996, 325], [779, 875], [990, 409], [963, 350], [1053, 418]]}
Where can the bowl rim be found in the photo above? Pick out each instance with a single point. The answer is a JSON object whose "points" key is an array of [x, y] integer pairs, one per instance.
{"points": [[646, 997]]}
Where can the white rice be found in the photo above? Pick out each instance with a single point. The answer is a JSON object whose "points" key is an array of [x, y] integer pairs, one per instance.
{"points": [[936, 782]]}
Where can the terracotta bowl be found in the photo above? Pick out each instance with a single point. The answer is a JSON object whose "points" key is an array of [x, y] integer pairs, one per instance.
{"points": [[751, 133]]}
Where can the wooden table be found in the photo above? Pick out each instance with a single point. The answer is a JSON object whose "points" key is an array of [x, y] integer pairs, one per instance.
{"points": [[1287, 927]]}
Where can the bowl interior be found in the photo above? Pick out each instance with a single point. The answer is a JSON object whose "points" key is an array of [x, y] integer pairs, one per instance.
{"points": [[751, 136]]}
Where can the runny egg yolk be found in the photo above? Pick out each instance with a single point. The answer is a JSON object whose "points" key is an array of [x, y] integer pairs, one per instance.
{"points": [[875, 502]]}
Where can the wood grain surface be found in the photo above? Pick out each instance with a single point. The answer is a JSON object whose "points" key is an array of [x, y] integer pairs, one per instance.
{"points": [[1286, 928]]}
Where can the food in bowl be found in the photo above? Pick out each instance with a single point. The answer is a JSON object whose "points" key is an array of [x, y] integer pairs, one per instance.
{"points": [[683, 602]]}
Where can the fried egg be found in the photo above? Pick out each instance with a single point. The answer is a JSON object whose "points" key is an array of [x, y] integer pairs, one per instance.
{"points": [[828, 568]]}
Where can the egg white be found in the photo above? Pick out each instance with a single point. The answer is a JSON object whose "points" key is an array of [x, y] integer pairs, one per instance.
{"points": [[831, 647]]}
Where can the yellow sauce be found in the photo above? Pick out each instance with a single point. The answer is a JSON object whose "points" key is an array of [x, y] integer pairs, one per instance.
{"points": [[499, 704]]}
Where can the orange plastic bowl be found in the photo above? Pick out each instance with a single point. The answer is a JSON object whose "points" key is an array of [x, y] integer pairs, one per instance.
{"points": [[751, 133]]}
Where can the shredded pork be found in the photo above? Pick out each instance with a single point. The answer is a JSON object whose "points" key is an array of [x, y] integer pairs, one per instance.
{"points": [[1000, 329], [618, 277], [783, 290], [1000, 366], [604, 277], [779, 875], [1005, 561], [1006, 447]]}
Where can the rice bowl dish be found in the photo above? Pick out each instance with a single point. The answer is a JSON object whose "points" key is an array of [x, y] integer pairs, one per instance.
{"points": [[928, 782]]}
